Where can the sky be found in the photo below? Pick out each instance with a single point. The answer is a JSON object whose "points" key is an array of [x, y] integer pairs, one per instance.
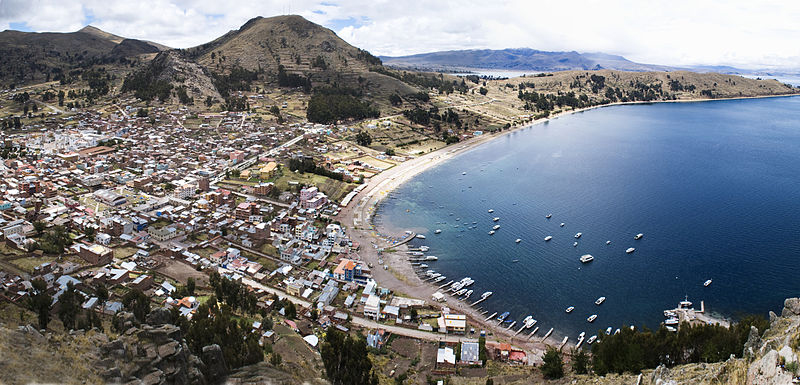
{"points": [[761, 34]]}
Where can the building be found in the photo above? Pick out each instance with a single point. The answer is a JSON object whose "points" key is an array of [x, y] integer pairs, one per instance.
{"points": [[110, 198], [372, 308], [95, 254], [445, 358], [452, 323], [329, 293], [203, 184], [247, 209], [347, 270], [263, 188], [164, 233], [268, 170], [470, 353]]}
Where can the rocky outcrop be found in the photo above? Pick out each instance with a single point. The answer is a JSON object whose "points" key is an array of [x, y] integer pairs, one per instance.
{"points": [[216, 369], [159, 317], [752, 344], [791, 307]]}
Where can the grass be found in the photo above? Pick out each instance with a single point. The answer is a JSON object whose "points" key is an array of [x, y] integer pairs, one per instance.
{"points": [[124, 252], [29, 263]]}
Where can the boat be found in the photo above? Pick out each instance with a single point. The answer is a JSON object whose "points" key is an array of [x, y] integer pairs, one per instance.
{"points": [[706, 283], [638, 236], [420, 236], [496, 227], [431, 258], [438, 231], [685, 304], [670, 314], [562, 224], [491, 232], [424, 248], [527, 319], [608, 331], [580, 339], [578, 235], [575, 244], [672, 321], [514, 260], [548, 238], [486, 294], [671, 329], [469, 293], [608, 242], [440, 279], [548, 216], [503, 316], [630, 250], [591, 339], [518, 240], [600, 301], [586, 258], [495, 219], [616, 331], [563, 342], [461, 292], [464, 173], [591, 318], [570, 309], [491, 211]]}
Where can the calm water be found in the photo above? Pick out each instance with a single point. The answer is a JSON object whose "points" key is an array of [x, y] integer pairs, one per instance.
{"points": [[714, 187]]}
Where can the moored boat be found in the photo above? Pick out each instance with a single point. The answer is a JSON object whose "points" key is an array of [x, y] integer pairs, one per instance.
{"points": [[706, 283], [630, 250], [591, 318], [600, 301], [570, 309], [548, 238], [578, 235], [639, 236], [586, 258]]}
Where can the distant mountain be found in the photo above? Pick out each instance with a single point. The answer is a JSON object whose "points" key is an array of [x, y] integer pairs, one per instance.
{"points": [[518, 59], [27, 57]]}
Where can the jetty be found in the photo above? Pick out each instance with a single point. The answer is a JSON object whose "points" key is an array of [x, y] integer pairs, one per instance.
{"points": [[520, 330], [563, 342], [548, 334], [512, 325], [536, 329], [490, 317], [478, 301], [446, 284]]}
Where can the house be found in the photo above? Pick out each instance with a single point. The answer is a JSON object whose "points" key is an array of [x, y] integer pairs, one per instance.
{"points": [[452, 323], [294, 288], [347, 270], [96, 254], [445, 359], [268, 170], [376, 339], [372, 308], [470, 353], [329, 293]]}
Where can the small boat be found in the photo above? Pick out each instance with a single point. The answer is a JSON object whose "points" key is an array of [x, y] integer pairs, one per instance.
{"points": [[486, 294], [570, 309], [600, 301], [518, 240], [591, 318], [671, 329], [464, 173], [438, 231], [424, 248], [608, 331], [495, 219], [496, 227], [670, 314], [423, 266], [578, 235], [420, 236], [491, 211], [562, 224], [591, 339], [608, 242], [491, 232], [469, 293], [616, 331], [515, 261], [548, 238], [575, 244], [630, 250], [586, 258], [503, 316], [685, 304], [638, 236], [672, 321], [431, 258], [706, 283], [548, 216]]}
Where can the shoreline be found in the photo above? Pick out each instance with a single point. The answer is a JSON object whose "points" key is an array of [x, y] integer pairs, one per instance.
{"points": [[400, 275]]}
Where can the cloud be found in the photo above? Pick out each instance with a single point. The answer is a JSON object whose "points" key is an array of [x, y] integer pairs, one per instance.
{"points": [[678, 32]]}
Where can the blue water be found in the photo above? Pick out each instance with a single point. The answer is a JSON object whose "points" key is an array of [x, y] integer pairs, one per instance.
{"points": [[714, 187]]}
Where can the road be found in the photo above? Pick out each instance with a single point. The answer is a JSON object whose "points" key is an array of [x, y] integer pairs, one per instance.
{"points": [[251, 160]]}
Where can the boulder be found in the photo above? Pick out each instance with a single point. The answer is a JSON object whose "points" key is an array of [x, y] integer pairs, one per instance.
{"points": [[772, 317], [152, 378], [216, 369], [791, 307], [752, 344], [159, 317], [160, 334], [169, 349]]}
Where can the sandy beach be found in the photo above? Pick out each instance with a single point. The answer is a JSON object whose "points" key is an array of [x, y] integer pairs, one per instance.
{"points": [[400, 277]]}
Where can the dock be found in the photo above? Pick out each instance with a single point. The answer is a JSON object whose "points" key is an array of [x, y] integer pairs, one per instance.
{"points": [[490, 317], [478, 301], [564, 342], [520, 330], [445, 285], [536, 329], [548, 334]]}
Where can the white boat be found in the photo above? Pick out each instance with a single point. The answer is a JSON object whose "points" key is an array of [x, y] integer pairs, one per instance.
{"points": [[438, 231], [420, 236], [591, 318], [562, 224], [496, 227], [440, 279], [671, 329], [638, 236], [431, 258], [570, 309], [685, 304], [591, 339], [706, 283], [464, 173], [630, 250], [672, 321], [469, 293], [461, 292], [575, 244], [586, 258], [423, 266], [424, 248], [491, 232], [486, 294], [495, 219], [548, 216], [600, 301], [491, 211], [548, 238], [608, 331], [578, 235], [616, 331], [608, 242], [670, 314], [518, 240], [526, 319]]}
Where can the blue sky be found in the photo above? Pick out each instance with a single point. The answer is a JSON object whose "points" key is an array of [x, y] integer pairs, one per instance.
{"points": [[749, 34]]}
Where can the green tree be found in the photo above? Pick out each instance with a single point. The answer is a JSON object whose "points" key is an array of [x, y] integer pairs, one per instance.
{"points": [[190, 286], [483, 91], [363, 138], [553, 366], [346, 361], [39, 227], [138, 303], [69, 306], [40, 302], [101, 292], [580, 361]]}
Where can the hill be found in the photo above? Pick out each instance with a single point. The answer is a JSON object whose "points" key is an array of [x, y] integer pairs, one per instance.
{"points": [[30, 57], [523, 59], [302, 48]]}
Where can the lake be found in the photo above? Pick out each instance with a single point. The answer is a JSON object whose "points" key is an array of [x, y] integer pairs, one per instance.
{"points": [[713, 186]]}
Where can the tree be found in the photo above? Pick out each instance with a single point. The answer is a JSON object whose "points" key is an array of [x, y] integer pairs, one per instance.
{"points": [[346, 360], [40, 302], [553, 366], [275, 359], [483, 91], [69, 306], [363, 138], [39, 227], [190, 285], [89, 231], [102, 293], [580, 362], [137, 302]]}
